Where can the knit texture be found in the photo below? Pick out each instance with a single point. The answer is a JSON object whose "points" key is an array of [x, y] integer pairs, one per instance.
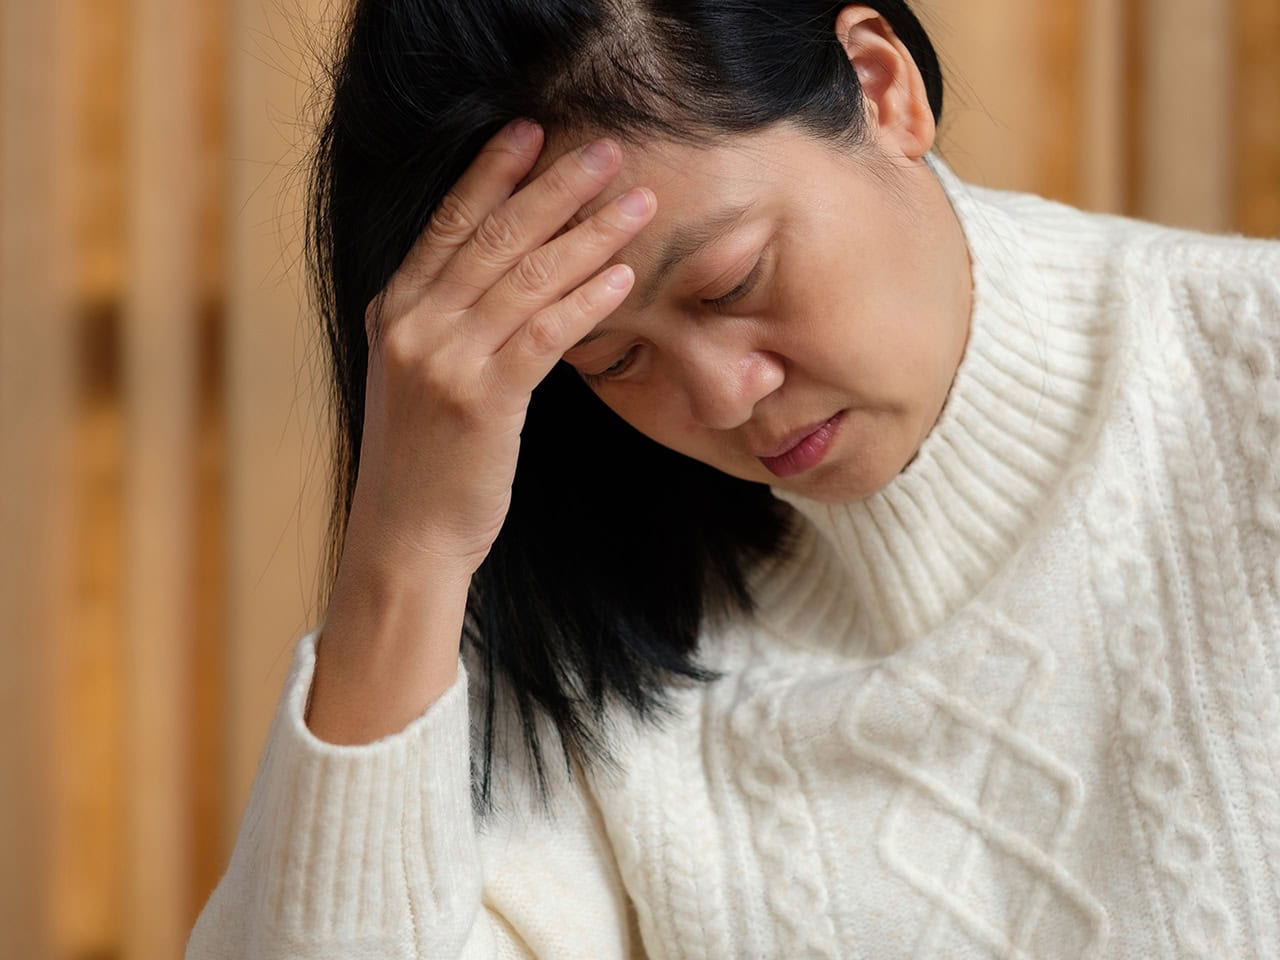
{"points": [[1024, 702]]}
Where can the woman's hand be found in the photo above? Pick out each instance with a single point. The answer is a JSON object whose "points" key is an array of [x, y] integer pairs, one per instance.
{"points": [[481, 309]]}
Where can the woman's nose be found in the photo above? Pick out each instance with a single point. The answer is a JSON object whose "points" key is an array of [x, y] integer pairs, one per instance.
{"points": [[723, 384]]}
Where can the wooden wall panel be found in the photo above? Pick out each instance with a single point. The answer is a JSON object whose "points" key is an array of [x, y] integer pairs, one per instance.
{"points": [[89, 854], [276, 454], [102, 49], [1022, 133], [1187, 118], [1256, 93], [206, 690], [36, 432], [89, 775], [1102, 146], [160, 336], [209, 835]]}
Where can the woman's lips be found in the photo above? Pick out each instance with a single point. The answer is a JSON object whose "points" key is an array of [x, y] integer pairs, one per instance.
{"points": [[805, 453]]}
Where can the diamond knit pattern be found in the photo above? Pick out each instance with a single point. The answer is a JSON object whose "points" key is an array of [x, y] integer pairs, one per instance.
{"points": [[1014, 773]]}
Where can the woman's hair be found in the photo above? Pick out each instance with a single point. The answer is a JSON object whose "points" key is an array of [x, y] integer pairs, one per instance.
{"points": [[615, 549]]}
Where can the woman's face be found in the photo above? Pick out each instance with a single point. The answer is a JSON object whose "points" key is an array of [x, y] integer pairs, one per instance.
{"points": [[798, 313]]}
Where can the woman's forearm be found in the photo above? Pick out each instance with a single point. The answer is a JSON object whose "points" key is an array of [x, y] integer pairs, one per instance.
{"points": [[388, 650]]}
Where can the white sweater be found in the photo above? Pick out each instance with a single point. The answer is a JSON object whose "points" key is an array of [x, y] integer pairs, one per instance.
{"points": [[1023, 702]]}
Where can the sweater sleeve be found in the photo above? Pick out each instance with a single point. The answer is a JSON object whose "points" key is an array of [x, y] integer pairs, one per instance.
{"points": [[372, 851]]}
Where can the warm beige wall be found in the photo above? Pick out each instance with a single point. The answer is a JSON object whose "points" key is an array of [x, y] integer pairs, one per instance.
{"points": [[1165, 109], [161, 449]]}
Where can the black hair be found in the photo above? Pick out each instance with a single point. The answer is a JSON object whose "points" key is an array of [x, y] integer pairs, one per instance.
{"points": [[615, 550]]}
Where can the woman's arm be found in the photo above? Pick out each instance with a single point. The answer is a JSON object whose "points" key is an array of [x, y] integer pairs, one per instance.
{"points": [[359, 840], [373, 851]]}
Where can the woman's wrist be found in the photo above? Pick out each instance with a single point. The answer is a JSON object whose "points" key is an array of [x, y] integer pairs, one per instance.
{"points": [[387, 651]]}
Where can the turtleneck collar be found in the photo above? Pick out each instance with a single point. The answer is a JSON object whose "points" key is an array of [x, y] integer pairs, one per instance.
{"points": [[872, 575]]}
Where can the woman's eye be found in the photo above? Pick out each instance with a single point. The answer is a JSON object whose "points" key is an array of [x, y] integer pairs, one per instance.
{"points": [[614, 370], [738, 292]]}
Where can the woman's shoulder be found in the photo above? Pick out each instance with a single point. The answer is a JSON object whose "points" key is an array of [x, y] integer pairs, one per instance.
{"points": [[1222, 291], [1211, 275], [1208, 287], [1202, 316], [1151, 252]]}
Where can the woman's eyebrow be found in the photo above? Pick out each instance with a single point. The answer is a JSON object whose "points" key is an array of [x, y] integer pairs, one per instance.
{"points": [[687, 240], [683, 243]]}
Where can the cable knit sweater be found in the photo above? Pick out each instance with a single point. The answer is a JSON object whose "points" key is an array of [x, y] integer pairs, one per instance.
{"points": [[1022, 702]]}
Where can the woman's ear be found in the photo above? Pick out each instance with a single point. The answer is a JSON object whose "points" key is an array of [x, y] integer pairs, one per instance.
{"points": [[894, 91]]}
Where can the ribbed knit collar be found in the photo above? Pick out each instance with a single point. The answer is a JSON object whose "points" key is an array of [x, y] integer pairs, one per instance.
{"points": [[872, 575]]}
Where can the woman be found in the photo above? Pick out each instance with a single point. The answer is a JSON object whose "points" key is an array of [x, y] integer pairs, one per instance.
{"points": [[907, 588]]}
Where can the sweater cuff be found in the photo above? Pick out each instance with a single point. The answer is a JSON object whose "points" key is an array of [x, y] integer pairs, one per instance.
{"points": [[353, 841]]}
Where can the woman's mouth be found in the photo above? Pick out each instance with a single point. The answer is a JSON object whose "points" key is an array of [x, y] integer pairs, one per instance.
{"points": [[805, 452]]}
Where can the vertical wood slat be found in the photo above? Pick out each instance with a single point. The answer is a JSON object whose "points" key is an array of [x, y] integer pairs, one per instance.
{"points": [[1257, 132], [1059, 112], [87, 853], [159, 382], [36, 410], [1187, 114], [101, 48], [206, 708], [1135, 150], [276, 478], [207, 687], [1103, 143]]}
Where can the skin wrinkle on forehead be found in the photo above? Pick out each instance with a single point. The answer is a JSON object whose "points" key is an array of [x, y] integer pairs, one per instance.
{"points": [[684, 242]]}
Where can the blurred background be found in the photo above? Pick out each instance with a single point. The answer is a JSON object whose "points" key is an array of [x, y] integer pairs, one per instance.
{"points": [[163, 458]]}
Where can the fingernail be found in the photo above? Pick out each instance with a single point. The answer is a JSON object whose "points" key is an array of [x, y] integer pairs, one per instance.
{"points": [[618, 277], [597, 156], [524, 132], [634, 203]]}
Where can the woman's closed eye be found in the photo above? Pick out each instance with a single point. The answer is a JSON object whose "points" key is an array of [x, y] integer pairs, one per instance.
{"points": [[741, 290], [614, 370], [620, 366]]}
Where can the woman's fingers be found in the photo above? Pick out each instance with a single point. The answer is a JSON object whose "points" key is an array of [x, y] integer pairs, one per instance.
{"points": [[538, 344], [488, 181], [494, 286], [554, 269], [526, 221]]}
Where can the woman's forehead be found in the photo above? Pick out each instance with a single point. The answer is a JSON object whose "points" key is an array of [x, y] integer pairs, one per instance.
{"points": [[692, 183], [690, 172]]}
